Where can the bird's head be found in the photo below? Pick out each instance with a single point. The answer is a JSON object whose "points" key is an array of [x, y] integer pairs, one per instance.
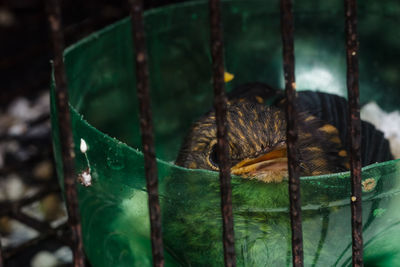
{"points": [[256, 138], [257, 143]]}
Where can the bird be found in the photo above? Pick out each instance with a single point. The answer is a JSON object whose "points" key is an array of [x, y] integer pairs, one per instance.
{"points": [[256, 126], [256, 131]]}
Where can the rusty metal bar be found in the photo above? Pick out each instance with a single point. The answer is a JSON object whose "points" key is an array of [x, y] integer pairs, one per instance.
{"points": [[220, 105], [146, 126], [1, 254], [354, 130], [64, 120], [287, 28]]}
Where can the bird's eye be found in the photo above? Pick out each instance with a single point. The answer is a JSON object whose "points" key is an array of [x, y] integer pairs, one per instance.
{"points": [[213, 157]]}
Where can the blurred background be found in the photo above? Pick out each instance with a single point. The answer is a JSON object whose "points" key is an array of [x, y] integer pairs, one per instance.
{"points": [[32, 216]]}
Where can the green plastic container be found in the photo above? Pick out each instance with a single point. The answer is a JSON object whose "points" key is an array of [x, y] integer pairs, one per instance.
{"points": [[114, 210]]}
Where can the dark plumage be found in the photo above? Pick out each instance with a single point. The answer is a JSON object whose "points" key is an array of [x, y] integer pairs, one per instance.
{"points": [[257, 134]]}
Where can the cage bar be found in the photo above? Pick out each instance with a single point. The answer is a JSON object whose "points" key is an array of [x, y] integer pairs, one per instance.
{"points": [[1, 255], [220, 106], [146, 127], [64, 120], [354, 129], [287, 28]]}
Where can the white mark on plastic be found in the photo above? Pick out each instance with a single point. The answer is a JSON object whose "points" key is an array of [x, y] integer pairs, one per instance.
{"points": [[85, 178], [83, 146]]}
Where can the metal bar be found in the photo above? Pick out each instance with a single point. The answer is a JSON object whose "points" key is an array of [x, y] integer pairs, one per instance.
{"points": [[220, 106], [1, 254], [146, 126], [64, 120], [354, 130], [287, 28]]}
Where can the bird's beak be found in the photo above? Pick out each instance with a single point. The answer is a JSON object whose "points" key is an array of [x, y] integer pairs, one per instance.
{"points": [[270, 167]]}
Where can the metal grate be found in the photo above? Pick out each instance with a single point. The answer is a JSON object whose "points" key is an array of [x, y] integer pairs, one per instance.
{"points": [[287, 31]]}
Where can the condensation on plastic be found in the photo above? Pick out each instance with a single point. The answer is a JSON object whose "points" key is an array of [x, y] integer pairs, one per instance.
{"points": [[114, 208]]}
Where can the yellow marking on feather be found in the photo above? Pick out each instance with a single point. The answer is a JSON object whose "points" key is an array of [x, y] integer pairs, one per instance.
{"points": [[259, 99], [204, 127], [241, 100], [231, 136], [199, 147], [231, 147], [242, 122], [342, 153], [314, 173], [204, 140], [347, 165], [255, 115], [314, 149], [335, 140], [242, 137], [258, 147], [230, 120], [309, 118], [329, 129], [228, 76], [192, 165], [205, 135], [319, 162], [276, 127], [306, 135]]}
